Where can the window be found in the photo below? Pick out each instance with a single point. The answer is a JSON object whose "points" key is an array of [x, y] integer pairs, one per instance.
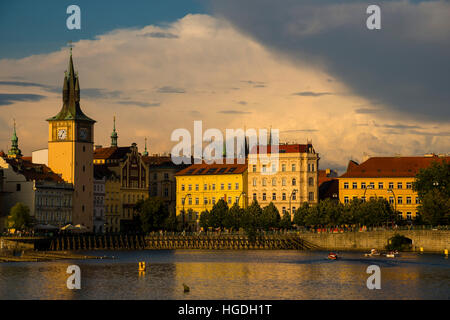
{"points": [[345, 185], [254, 196], [391, 200], [408, 200], [205, 200], [391, 185], [408, 215], [399, 200], [283, 197], [237, 200], [166, 176], [311, 182], [214, 186], [293, 167], [312, 167], [229, 200], [283, 167], [294, 182], [264, 196], [229, 186], [417, 200], [18, 187], [284, 210], [205, 187], [380, 185], [197, 201], [294, 196], [254, 168], [363, 199], [264, 168], [372, 185], [182, 187], [213, 200], [190, 200], [408, 185], [355, 198], [399, 185], [264, 181], [274, 196], [293, 209], [274, 167], [311, 196], [190, 187], [254, 182], [237, 186], [355, 185], [283, 182], [222, 186], [363, 185], [196, 187], [166, 192], [346, 200], [274, 181], [309, 167]]}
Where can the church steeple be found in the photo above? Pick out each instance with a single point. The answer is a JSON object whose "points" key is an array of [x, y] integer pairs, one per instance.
{"points": [[71, 109], [14, 152], [145, 153], [114, 135]]}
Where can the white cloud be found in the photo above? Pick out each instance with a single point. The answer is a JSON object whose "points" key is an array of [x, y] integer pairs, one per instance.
{"points": [[204, 61]]}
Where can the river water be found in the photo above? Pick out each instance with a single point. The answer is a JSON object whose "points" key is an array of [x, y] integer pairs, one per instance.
{"points": [[253, 274]]}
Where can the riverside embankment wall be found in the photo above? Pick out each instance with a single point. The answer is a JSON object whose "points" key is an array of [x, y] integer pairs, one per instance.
{"points": [[429, 240]]}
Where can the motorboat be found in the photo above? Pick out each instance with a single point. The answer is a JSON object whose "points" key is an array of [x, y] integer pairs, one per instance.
{"points": [[332, 256], [373, 252], [392, 254]]}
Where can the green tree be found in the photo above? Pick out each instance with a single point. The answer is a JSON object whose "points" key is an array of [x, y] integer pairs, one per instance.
{"points": [[435, 208], [204, 220], [270, 217], [218, 214], [153, 214], [19, 217], [233, 219], [285, 222], [300, 214], [251, 220]]}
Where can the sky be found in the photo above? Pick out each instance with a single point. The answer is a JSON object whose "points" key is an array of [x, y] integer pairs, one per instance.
{"points": [[311, 69]]}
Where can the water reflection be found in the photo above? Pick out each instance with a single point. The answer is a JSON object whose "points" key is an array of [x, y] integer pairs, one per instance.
{"points": [[230, 275]]}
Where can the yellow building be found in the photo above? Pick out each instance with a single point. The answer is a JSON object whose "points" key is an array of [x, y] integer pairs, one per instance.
{"points": [[288, 185], [113, 202], [390, 178], [70, 148], [200, 186]]}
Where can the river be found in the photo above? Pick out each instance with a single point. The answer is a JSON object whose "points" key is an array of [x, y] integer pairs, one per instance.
{"points": [[253, 274]]}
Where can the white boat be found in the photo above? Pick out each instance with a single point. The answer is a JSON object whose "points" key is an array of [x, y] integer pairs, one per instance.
{"points": [[373, 252], [392, 254]]}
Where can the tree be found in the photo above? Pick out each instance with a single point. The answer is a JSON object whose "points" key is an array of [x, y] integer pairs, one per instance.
{"points": [[204, 219], [233, 219], [300, 214], [285, 222], [19, 217], [171, 223], [270, 217], [153, 213], [251, 220], [433, 187], [218, 214]]}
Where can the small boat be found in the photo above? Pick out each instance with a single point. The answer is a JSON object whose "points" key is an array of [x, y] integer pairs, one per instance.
{"points": [[392, 254], [332, 256], [373, 252]]}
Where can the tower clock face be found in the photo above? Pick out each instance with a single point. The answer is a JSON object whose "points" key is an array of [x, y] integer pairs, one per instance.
{"points": [[62, 134], [83, 133]]}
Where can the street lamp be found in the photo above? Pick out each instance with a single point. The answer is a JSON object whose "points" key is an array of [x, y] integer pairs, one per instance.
{"points": [[184, 201], [290, 198], [239, 199], [395, 202], [365, 189]]}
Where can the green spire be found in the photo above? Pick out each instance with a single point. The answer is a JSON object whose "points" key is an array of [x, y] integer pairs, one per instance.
{"points": [[14, 152], [71, 109], [114, 135], [145, 153]]}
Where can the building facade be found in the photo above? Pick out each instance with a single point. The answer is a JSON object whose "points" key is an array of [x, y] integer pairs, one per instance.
{"points": [[389, 178], [99, 202], [70, 148], [49, 198], [288, 183], [200, 186]]}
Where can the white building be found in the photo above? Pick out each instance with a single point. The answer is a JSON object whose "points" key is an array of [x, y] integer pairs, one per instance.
{"points": [[47, 196]]}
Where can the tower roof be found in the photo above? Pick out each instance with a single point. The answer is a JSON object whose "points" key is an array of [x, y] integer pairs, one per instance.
{"points": [[71, 109]]}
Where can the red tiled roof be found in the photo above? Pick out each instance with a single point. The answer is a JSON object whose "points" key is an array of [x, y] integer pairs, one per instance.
{"points": [[213, 169], [156, 160], [284, 148], [111, 152], [390, 167], [33, 171], [324, 176]]}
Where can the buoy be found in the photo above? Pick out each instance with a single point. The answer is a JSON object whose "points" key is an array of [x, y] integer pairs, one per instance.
{"points": [[186, 288], [421, 249], [141, 266], [446, 252]]}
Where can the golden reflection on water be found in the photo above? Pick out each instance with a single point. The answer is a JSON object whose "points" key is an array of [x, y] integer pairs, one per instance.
{"points": [[230, 275]]}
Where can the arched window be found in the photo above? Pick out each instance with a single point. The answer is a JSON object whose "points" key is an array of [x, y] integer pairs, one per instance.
{"points": [[274, 181]]}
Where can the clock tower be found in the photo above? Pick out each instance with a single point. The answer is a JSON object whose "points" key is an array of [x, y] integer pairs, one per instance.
{"points": [[70, 148]]}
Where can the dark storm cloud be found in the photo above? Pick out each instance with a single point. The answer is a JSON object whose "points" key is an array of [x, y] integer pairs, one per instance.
{"points": [[9, 98], [23, 84], [311, 94], [405, 65]]}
